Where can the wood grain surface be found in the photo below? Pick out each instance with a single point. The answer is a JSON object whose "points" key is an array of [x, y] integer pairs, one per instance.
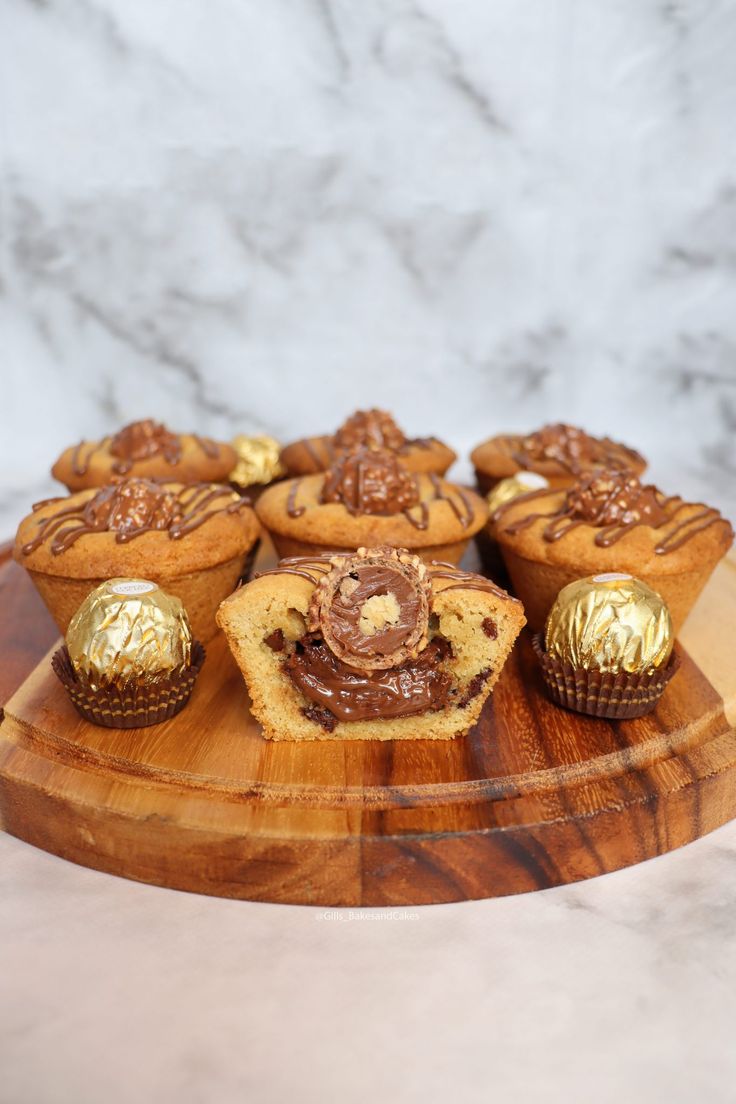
{"points": [[532, 797]]}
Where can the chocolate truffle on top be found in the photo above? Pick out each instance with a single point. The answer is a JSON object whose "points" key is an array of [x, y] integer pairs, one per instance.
{"points": [[559, 452], [144, 448], [367, 497], [372, 609], [374, 428], [192, 539], [140, 441], [608, 520], [367, 429], [371, 481]]}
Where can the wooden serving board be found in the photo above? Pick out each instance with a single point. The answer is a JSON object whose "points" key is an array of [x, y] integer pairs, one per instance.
{"points": [[532, 797]]}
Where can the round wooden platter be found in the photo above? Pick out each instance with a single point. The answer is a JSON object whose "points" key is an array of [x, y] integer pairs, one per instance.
{"points": [[532, 797]]}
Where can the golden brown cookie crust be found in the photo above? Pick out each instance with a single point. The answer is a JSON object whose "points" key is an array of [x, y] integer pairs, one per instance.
{"points": [[494, 460], [193, 466], [315, 454], [99, 555], [331, 524], [634, 552]]}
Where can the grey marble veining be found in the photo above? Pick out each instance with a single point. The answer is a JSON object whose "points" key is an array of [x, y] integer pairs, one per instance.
{"points": [[249, 217]]}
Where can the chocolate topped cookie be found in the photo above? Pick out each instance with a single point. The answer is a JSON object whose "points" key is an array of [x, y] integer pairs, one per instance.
{"points": [[558, 452], [190, 539], [374, 429], [146, 449], [368, 496], [608, 521], [372, 645]]}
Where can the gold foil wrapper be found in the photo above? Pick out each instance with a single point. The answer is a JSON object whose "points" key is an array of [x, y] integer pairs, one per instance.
{"points": [[258, 460], [610, 623], [128, 629], [511, 488]]}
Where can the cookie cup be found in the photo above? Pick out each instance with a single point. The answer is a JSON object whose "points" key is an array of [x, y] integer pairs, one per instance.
{"points": [[330, 527], [194, 465], [315, 454], [201, 568], [494, 460], [539, 569]]}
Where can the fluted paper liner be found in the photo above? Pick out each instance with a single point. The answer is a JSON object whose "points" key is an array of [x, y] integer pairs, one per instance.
{"points": [[133, 704], [619, 696]]}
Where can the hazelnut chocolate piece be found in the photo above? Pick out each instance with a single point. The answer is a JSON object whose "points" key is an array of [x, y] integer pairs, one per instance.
{"points": [[372, 609]]}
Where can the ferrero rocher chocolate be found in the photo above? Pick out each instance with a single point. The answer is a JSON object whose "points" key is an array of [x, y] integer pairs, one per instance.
{"points": [[372, 608], [258, 460], [610, 623], [128, 630], [508, 489]]}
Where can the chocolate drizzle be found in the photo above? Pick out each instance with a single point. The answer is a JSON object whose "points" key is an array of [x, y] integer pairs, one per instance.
{"points": [[81, 466], [313, 568], [292, 509], [369, 429], [371, 481], [573, 450], [375, 482], [466, 580], [463, 510], [133, 507], [615, 503], [135, 442]]}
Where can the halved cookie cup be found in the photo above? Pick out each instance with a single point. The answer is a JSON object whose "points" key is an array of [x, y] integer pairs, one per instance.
{"points": [[266, 620]]}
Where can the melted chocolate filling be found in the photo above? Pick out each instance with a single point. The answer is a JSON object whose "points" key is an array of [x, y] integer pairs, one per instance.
{"points": [[417, 686]]}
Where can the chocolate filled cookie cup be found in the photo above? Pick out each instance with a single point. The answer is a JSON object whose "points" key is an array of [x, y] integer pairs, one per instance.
{"points": [[609, 522], [146, 450], [558, 452], [369, 498], [367, 429], [375, 645], [192, 540]]}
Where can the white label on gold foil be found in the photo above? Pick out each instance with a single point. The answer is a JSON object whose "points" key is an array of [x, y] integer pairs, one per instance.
{"points": [[133, 586], [612, 577], [532, 480]]}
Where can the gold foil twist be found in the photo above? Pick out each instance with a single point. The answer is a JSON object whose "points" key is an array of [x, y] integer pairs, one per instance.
{"points": [[258, 460], [128, 629], [611, 623], [509, 489]]}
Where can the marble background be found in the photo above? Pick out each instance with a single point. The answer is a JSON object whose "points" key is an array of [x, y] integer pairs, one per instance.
{"points": [[484, 214]]}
